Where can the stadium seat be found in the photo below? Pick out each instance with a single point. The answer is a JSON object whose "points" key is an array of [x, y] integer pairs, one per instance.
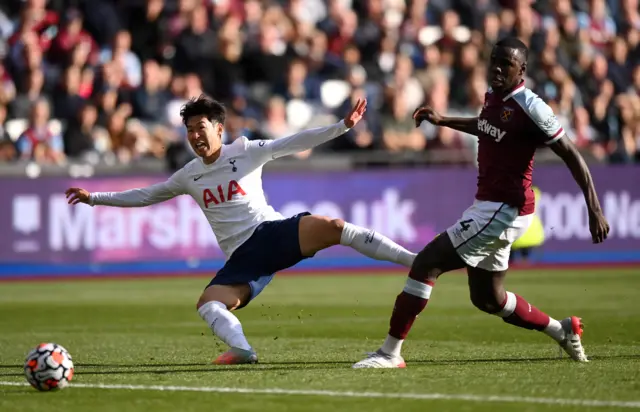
{"points": [[299, 113], [431, 34], [15, 127], [334, 92]]}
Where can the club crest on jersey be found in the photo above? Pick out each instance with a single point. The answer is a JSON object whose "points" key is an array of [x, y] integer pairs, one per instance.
{"points": [[234, 168], [507, 114]]}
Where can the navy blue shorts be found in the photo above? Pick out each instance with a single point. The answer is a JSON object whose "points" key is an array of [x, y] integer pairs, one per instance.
{"points": [[273, 246]]}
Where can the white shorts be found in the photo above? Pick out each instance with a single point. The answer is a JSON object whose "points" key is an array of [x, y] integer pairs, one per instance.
{"points": [[484, 234]]}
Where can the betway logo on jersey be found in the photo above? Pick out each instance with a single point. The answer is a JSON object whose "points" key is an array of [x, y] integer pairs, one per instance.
{"points": [[487, 128]]}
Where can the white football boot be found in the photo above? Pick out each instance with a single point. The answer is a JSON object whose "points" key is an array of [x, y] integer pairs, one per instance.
{"points": [[379, 360], [572, 343]]}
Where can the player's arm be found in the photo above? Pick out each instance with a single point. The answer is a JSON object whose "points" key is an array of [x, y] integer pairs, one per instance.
{"points": [[467, 125], [306, 139], [554, 136], [145, 196], [568, 152], [272, 149]]}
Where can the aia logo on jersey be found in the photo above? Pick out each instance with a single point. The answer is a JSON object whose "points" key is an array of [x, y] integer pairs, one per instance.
{"points": [[507, 114], [233, 188]]}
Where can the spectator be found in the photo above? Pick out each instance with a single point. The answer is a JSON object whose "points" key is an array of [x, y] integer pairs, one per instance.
{"points": [[67, 100], [127, 62], [619, 71], [196, 44], [71, 35], [29, 93], [400, 132], [7, 87], [298, 84], [8, 150], [276, 125], [599, 26], [83, 137], [147, 26], [150, 99], [40, 142], [262, 59]]}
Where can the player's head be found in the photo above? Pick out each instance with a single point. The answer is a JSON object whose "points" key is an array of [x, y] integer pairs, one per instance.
{"points": [[204, 118], [508, 64]]}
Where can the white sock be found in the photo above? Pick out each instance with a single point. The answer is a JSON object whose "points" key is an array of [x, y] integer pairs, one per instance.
{"points": [[374, 245], [392, 346], [224, 324], [555, 330]]}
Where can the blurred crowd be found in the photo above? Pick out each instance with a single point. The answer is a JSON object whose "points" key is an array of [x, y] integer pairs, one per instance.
{"points": [[103, 80]]}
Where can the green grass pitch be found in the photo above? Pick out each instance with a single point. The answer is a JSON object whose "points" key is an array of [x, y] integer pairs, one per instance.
{"points": [[308, 331]]}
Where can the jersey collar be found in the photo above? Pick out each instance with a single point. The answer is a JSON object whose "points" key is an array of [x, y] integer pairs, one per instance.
{"points": [[217, 162], [519, 88]]}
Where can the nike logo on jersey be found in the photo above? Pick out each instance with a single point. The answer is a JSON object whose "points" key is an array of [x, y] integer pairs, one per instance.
{"points": [[369, 237], [487, 128], [195, 179]]}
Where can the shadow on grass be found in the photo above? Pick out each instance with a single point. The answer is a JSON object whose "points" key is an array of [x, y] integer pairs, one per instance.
{"points": [[171, 368]]}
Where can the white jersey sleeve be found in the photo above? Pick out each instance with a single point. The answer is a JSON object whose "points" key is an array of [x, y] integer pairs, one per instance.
{"points": [[160, 192], [548, 126], [266, 150]]}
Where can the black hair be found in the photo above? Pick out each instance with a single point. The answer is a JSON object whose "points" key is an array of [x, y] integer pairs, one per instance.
{"points": [[203, 106], [515, 43]]}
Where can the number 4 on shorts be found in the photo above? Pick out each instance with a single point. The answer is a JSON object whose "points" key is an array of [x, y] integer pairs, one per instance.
{"points": [[465, 225]]}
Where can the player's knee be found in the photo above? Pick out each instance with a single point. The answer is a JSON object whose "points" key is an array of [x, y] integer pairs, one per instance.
{"points": [[436, 258], [201, 301], [425, 267], [232, 296], [332, 232], [426, 275], [336, 225], [485, 302]]}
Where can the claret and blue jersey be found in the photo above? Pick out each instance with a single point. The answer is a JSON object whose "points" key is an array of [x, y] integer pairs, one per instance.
{"points": [[510, 128]]}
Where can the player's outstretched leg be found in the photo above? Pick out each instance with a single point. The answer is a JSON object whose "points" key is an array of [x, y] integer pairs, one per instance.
{"points": [[488, 294], [319, 232], [214, 307], [436, 258]]}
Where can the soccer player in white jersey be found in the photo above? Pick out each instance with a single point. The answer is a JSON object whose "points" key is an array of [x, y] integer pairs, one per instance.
{"points": [[226, 181]]}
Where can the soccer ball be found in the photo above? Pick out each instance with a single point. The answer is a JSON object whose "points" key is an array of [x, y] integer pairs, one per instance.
{"points": [[48, 367]]}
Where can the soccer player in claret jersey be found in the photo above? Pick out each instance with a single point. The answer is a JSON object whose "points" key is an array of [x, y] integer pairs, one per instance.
{"points": [[226, 182], [512, 124]]}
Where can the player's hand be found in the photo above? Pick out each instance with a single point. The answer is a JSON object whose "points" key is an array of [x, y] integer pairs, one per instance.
{"points": [[426, 113], [598, 226], [356, 113], [77, 195]]}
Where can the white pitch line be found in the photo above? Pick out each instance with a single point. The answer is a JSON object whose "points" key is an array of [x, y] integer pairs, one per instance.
{"points": [[341, 394]]}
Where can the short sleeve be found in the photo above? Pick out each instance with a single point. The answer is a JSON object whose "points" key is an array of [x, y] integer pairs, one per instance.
{"points": [[549, 129]]}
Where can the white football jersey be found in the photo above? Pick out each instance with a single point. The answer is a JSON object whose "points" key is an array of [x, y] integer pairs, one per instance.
{"points": [[229, 191]]}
